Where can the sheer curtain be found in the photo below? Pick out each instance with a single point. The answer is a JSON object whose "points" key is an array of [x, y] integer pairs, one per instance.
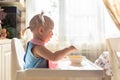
{"points": [[78, 22], [81, 24]]}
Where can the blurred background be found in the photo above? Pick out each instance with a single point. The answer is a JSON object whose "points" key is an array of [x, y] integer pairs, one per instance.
{"points": [[83, 23]]}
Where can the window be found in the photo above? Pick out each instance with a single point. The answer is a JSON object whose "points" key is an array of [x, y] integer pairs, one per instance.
{"points": [[83, 23]]}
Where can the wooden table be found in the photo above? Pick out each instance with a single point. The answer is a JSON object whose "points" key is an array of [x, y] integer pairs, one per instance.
{"points": [[86, 71]]}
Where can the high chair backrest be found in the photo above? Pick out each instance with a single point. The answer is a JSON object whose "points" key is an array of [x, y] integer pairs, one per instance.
{"points": [[113, 45], [16, 56]]}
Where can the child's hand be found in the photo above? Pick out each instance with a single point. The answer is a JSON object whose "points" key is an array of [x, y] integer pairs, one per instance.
{"points": [[73, 48]]}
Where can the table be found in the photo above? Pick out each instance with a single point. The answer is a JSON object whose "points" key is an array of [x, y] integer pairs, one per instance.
{"points": [[86, 71]]}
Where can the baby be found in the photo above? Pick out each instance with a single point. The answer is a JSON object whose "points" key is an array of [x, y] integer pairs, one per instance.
{"points": [[37, 55]]}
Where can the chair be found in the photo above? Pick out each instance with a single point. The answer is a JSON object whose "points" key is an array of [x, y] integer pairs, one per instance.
{"points": [[113, 45]]}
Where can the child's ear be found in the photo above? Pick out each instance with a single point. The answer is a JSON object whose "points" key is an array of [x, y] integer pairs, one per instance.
{"points": [[41, 30]]}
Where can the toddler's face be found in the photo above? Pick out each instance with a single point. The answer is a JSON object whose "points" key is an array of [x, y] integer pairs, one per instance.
{"points": [[48, 34]]}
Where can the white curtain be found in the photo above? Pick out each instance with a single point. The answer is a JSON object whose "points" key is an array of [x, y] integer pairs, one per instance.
{"points": [[77, 22], [81, 25]]}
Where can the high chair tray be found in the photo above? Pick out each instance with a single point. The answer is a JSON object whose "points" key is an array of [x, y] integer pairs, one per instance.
{"points": [[87, 71]]}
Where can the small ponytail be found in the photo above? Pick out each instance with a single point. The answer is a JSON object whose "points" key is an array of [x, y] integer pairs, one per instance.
{"points": [[23, 32], [41, 16]]}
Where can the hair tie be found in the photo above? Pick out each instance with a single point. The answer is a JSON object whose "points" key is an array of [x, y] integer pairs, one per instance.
{"points": [[41, 16]]}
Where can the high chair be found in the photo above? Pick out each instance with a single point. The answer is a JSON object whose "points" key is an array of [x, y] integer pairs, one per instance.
{"points": [[70, 73], [113, 45]]}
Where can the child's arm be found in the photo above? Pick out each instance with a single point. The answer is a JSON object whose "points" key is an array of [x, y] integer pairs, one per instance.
{"points": [[41, 51]]}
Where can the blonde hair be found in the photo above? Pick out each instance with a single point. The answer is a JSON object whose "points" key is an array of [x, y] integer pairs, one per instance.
{"points": [[39, 20]]}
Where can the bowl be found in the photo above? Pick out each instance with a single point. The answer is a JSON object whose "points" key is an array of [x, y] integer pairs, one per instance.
{"points": [[75, 59]]}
